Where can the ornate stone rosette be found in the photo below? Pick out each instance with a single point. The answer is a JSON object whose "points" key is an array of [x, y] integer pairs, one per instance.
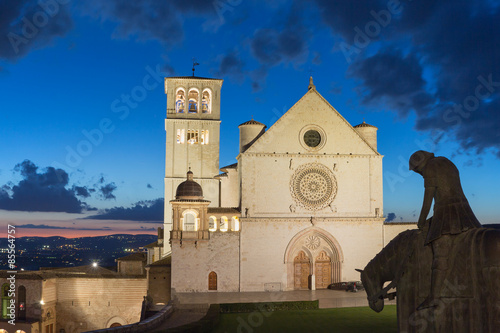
{"points": [[313, 186]]}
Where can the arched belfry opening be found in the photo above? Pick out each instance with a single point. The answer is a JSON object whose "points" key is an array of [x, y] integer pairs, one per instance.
{"points": [[206, 101], [316, 251], [180, 101], [193, 100]]}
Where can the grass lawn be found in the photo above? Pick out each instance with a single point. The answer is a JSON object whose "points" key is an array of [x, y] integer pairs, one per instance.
{"points": [[349, 320]]}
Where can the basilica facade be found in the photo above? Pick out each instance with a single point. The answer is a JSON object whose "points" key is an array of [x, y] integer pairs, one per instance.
{"points": [[301, 209]]}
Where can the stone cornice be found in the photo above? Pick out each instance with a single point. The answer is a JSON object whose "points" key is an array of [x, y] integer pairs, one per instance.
{"points": [[197, 120], [312, 219], [315, 155]]}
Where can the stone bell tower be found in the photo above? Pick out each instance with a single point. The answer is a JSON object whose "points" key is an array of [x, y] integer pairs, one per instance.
{"points": [[192, 141]]}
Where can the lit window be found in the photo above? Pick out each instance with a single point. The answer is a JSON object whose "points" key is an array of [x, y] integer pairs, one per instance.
{"points": [[235, 223], [180, 101], [206, 102], [189, 222], [204, 137], [223, 224], [192, 136], [180, 135], [193, 101], [212, 223]]}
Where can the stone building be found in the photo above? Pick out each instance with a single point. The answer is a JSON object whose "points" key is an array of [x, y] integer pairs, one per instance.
{"points": [[301, 208], [76, 299]]}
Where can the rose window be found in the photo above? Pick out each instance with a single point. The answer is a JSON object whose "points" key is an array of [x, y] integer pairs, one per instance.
{"points": [[313, 186]]}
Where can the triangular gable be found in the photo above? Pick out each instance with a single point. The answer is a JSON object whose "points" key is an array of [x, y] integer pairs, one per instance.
{"points": [[312, 109]]}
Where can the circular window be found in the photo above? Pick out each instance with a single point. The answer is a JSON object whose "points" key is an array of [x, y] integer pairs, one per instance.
{"points": [[312, 138]]}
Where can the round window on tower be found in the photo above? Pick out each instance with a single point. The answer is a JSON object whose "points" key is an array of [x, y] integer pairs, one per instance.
{"points": [[312, 137]]}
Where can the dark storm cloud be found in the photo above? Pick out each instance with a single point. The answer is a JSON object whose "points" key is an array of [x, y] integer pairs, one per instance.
{"points": [[40, 191], [29, 24], [283, 42], [81, 191], [151, 19], [232, 65], [44, 226], [455, 43], [390, 217], [150, 210], [106, 191], [392, 77], [143, 229], [344, 15]]}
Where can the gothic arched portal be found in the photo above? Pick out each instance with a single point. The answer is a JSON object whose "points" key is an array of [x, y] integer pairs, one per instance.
{"points": [[320, 252]]}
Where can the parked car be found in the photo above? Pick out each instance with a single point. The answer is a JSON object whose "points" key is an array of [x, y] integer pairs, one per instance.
{"points": [[354, 286], [338, 286]]}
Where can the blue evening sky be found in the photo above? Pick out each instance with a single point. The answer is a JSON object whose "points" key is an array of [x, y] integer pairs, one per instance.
{"points": [[82, 103]]}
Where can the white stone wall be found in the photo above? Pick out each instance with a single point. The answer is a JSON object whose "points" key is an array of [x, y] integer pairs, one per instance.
{"points": [[230, 189], [192, 263], [264, 244], [391, 230], [90, 303], [266, 184]]}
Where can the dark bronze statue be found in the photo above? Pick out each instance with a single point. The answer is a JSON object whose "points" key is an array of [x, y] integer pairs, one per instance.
{"points": [[447, 272]]}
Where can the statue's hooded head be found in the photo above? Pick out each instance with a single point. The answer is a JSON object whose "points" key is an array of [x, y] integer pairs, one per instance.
{"points": [[419, 159]]}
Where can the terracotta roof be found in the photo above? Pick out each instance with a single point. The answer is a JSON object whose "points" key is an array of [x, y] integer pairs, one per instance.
{"points": [[79, 270], [221, 210], [190, 200], [141, 256], [230, 166], [25, 275], [364, 124], [252, 122], [192, 77], [220, 175], [150, 246], [167, 261]]}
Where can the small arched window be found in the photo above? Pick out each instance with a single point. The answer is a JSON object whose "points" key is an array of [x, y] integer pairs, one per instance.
{"points": [[212, 224], [190, 221], [180, 101], [193, 101], [21, 303], [235, 223], [5, 299], [223, 224], [204, 137], [206, 101]]}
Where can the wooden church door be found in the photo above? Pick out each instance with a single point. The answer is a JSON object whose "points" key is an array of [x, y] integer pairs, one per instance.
{"points": [[302, 268], [323, 271], [212, 281]]}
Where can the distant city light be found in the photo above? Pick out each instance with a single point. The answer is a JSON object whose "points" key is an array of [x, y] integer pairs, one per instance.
{"points": [[94, 264]]}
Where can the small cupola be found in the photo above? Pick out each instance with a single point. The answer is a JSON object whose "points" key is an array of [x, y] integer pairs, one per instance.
{"points": [[250, 131], [368, 132], [189, 189]]}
